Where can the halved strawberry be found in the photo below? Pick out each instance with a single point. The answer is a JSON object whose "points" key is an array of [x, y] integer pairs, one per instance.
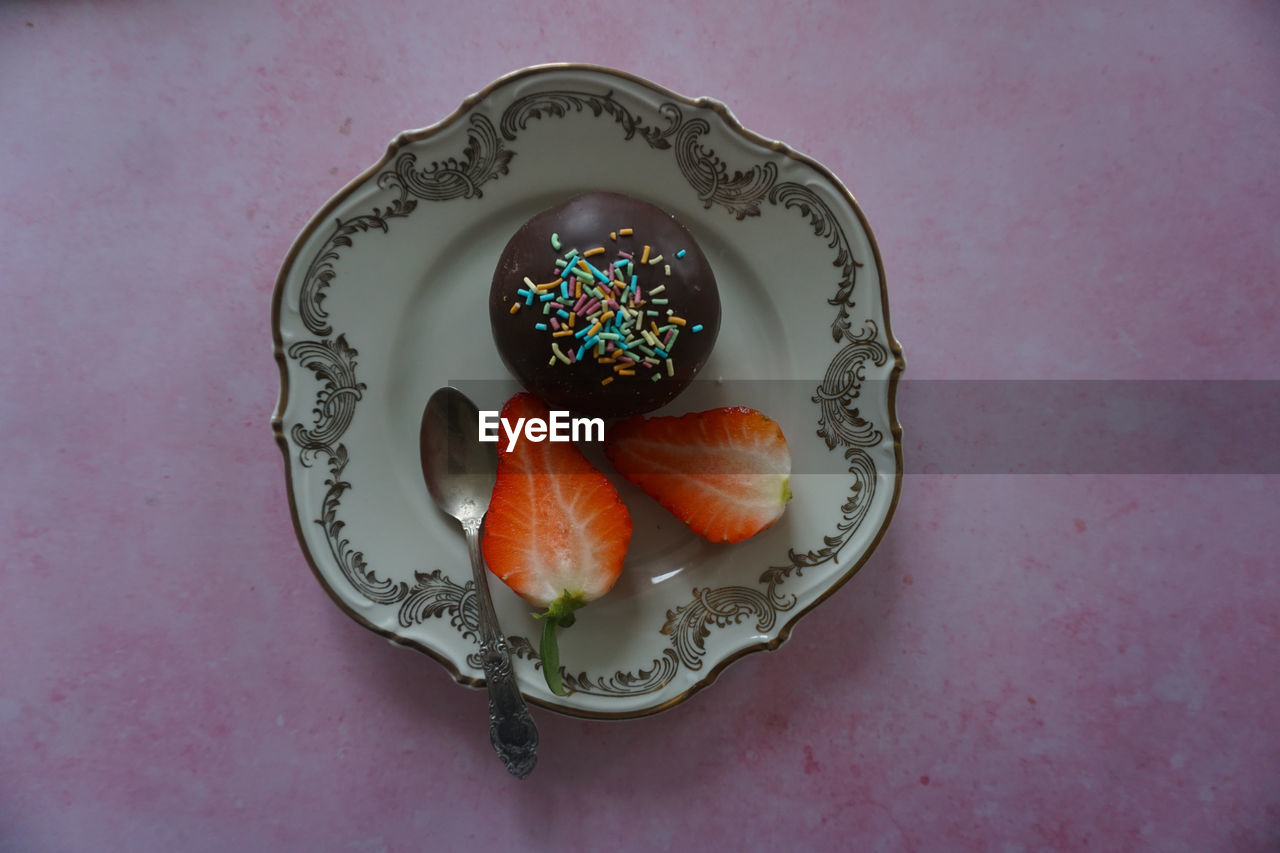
{"points": [[555, 532], [724, 472]]}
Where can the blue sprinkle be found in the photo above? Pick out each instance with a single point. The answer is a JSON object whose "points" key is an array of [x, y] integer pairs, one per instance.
{"points": [[680, 254], [564, 290], [581, 333], [563, 314], [697, 328], [660, 351], [541, 327], [592, 341], [546, 297], [578, 355]]}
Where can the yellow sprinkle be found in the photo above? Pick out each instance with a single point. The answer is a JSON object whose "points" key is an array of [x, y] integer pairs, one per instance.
{"points": [[653, 325], [548, 285], [625, 232], [609, 360], [595, 328], [606, 380], [605, 317], [644, 257], [613, 235], [563, 333], [671, 368], [626, 373], [577, 288], [571, 316], [679, 321], [655, 259], [585, 268], [552, 361], [598, 250]]}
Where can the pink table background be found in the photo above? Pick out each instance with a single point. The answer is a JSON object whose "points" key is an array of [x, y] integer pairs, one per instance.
{"points": [[1027, 663]]}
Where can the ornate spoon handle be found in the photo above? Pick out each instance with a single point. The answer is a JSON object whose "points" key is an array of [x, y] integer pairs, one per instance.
{"points": [[511, 729]]}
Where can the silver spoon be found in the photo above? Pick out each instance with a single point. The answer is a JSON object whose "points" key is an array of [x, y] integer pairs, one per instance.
{"points": [[460, 471]]}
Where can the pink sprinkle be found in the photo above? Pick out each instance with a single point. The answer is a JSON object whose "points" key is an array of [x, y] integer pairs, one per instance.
{"points": [[626, 255], [592, 307], [608, 346], [581, 301], [555, 324], [612, 304], [626, 359], [667, 340], [573, 355]]}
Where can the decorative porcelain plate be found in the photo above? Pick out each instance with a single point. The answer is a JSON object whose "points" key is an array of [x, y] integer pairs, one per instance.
{"points": [[383, 299]]}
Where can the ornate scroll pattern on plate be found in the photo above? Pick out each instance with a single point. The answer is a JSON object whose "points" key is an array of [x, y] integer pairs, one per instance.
{"points": [[740, 192], [434, 595], [333, 361]]}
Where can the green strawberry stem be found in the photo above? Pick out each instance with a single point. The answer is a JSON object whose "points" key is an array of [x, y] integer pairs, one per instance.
{"points": [[558, 615]]}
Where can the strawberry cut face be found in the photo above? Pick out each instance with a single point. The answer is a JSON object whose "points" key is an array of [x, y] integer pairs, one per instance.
{"points": [[724, 472], [556, 532]]}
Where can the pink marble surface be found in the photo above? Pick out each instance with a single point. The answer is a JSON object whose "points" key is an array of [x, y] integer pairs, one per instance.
{"points": [[1079, 190]]}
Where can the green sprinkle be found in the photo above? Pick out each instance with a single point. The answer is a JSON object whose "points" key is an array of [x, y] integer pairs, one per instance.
{"points": [[657, 376], [562, 263], [555, 242], [659, 301], [671, 368]]}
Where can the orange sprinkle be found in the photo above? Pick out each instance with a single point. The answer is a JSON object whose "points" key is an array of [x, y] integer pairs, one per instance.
{"points": [[609, 360], [644, 258], [571, 316], [679, 321], [606, 380], [577, 288], [549, 285], [605, 317], [593, 330], [584, 267], [654, 326], [515, 306], [598, 250], [626, 373], [562, 333], [625, 232]]}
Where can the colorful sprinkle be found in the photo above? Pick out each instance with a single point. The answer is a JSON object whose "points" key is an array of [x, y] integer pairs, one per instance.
{"points": [[606, 380], [555, 348], [680, 254], [613, 235], [679, 321], [655, 260], [644, 257], [515, 306], [697, 328], [625, 232], [671, 367], [657, 376], [555, 242], [590, 253], [541, 327]]}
